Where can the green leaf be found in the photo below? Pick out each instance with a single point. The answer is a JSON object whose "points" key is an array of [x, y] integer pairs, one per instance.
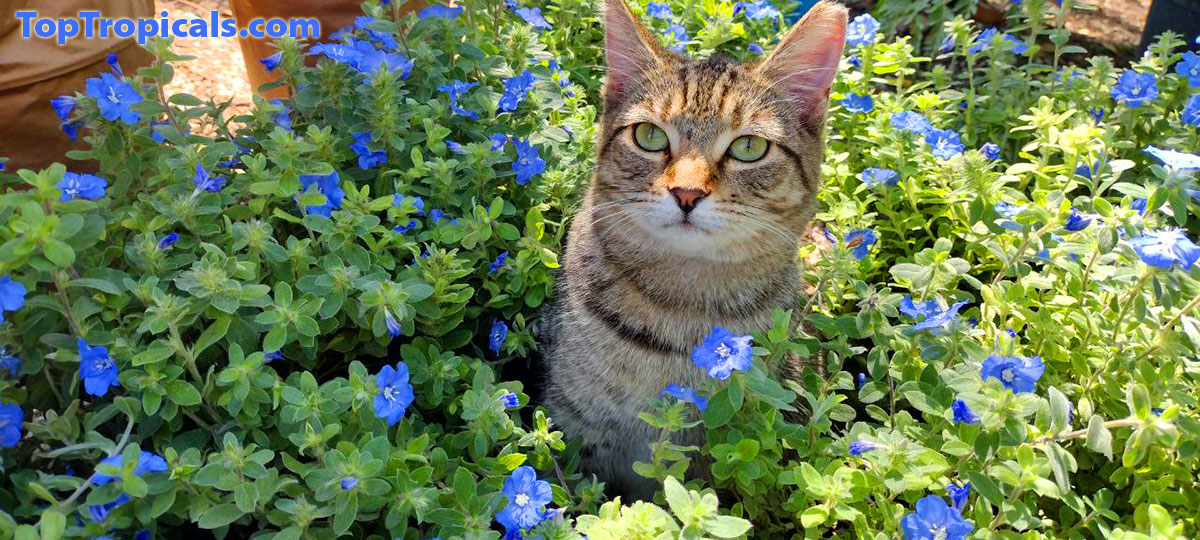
{"points": [[211, 335], [58, 253], [814, 516], [677, 497], [1098, 438], [1138, 398], [986, 487], [219, 516], [52, 524], [183, 393], [728, 527]]}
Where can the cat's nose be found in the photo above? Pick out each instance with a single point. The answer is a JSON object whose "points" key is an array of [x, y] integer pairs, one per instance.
{"points": [[688, 198]]}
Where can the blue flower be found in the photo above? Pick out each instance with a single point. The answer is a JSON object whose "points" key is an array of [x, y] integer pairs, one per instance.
{"points": [[859, 242], [1166, 248], [87, 186], [527, 164], [1135, 89], [515, 89], [418, 203], [498, 140], [862, 380], [853, 59], [272, 62], [272, 356], [12, 295], [403, 228], [944, 143], [1018, 46], [282, 118], [1077, 221], [148, 462], [860, 447], [1139, 205], [497, 264], [372, 60], [686, 395], [762, 9], [862, 30], [98, 513], [363, 22], [439, 11], [436, 215], [206, 182], [1191, 111], [990, 151], [677, 35], [497, 336], [858, 104], [338, 52], [963, 413], [722, 353], [1174, 160], [947, 44], [660, 10], [982, 42], [72, 129], [348, 483], [875, 176], [113, 63], [142, 535], [9, 361], [958, 495], [367, 159], [393, 326], [510, 400], [456, 89], [935, 520], [96, 368], [1097, 114], [527, 497], [911, 122], [114, 97], [1014, 372], [534, 17], [168, 241], [928, 308], [455, 148], [1189, 67], [11, 417], [939, 322], [395, 393], [329, 185], [63, 105]]}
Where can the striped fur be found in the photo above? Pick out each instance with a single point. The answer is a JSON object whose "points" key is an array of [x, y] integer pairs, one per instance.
{"points": [[643, 282]]}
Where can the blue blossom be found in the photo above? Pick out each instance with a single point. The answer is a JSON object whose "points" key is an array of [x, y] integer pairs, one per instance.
{"points": [[1014, 372], [282, 118], [944, 143], [436, 215], [168, 241], [762, 9], [1189, 68], [534, 17], [677, 36], [96, 368], [9, 362], [859, 242], [330, 186], [363, 22], [63, 105], [348, 483], [439, 11], [114, 63], [1077, 222], [1166, 248], [982, 42], [148, 462], [853, 59], [338, 52], [858, 104], [418, 203], [12, 295], [861, 446], [510, 400], [935, 520], [405, 227], [928, 308], [372, 60], [990, 151], [515, 89], [272, 356], [958, 495], [1097, 114], [87, 186], [498, 140], [686, 395], [1018, 46], [862, 380], [271, 62], [660, 10], [527, 497], [874, 176], [527, 164], [1139, 204], [963, 413], [1190, 114], [455, 148], [114, 98], [1135, 89], [911, 122], [1009, 212], [11, 417], [393, 326], [98, 513], [205, 182], [142, 535], [940, 321], [367, 159], [947, 44], [497, 336], [497, 264], [395, 393], [1174, 160], [862, 30], [455, 90], [722, 353], [72, 129]]}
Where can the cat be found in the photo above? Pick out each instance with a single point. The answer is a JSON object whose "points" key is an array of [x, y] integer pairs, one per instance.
{"points": [[706, 177]]}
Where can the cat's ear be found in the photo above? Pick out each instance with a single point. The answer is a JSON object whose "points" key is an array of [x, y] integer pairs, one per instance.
{"points": [[630, 49], [806, 60]]}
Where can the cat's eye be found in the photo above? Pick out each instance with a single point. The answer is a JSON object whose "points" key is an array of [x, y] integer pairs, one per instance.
{"points": [[650, 137], [749, 148]]}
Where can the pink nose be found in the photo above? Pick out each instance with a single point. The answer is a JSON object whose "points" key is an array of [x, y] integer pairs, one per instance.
{"points": [[687, 198]]}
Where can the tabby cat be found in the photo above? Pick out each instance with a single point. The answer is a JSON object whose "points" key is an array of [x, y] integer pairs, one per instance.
{"points": [[706, 176]]}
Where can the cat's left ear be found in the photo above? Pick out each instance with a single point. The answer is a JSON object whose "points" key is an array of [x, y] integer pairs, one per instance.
{"points": [[806, 60]]}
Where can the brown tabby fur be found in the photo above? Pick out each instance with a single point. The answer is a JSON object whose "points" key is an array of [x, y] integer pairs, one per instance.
{"points": [[643, 281]]}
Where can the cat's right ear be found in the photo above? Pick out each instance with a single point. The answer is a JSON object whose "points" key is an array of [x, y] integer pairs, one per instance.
{"points": [[630, 49]]}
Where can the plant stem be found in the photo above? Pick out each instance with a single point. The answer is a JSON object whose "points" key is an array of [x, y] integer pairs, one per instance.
{"points": [[1021, 250], [1080, 433], [60, 283], [117, 450]]}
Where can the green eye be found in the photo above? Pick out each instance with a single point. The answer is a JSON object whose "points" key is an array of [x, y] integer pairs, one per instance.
{"points": [[749, 148], [650, 137]]}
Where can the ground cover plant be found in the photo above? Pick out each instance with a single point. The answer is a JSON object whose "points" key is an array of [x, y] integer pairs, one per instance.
{"points": [[315, 326]]}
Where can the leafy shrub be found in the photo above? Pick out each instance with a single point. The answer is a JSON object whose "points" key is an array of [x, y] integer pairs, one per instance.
{"points": [[299, 323]]}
